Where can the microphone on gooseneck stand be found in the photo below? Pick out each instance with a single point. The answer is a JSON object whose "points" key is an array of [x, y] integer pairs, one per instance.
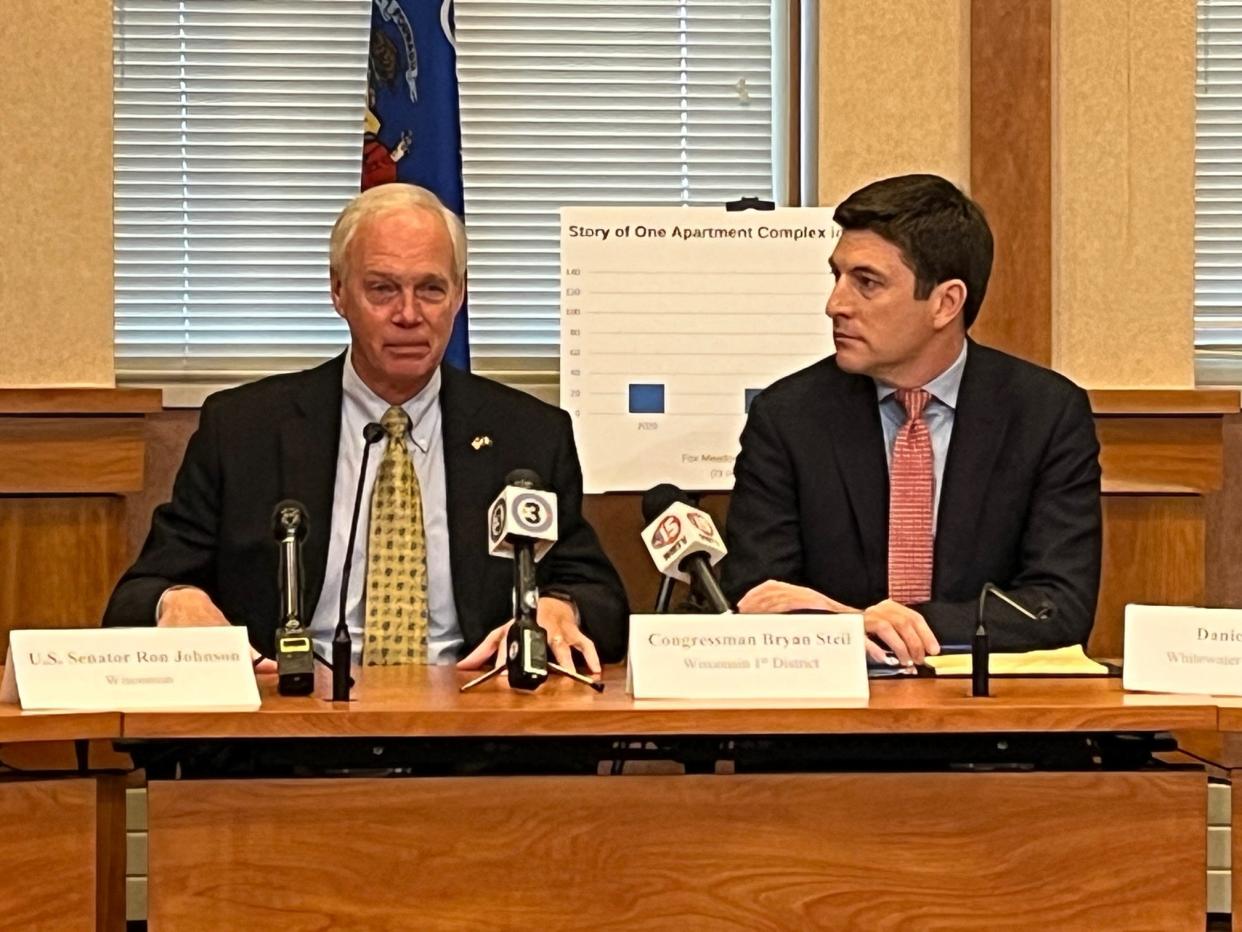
{"points": [[295, 657], [980, 649], [522, 525], [683, 542], [342, 643]]}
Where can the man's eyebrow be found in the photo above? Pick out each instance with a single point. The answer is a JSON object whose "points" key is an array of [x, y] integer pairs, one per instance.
{"points": [[867, 270]]}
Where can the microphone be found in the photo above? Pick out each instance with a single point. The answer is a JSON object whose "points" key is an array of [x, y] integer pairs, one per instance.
{"points": [[980, 650], [683, 542], [342, 643], [522, 525], [295, 658]]}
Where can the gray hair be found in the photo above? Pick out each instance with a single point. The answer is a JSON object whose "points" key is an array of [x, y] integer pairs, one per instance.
{"points": [[391, 197]]}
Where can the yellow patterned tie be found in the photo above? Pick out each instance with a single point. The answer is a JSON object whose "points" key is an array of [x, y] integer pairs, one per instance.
{"points": [[396, 620]]}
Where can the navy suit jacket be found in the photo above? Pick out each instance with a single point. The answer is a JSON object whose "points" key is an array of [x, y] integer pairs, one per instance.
{"points": [[1019, 503], [277, 438]]}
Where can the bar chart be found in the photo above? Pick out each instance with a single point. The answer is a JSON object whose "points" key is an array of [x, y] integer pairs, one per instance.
{"points": [[672, 320]]}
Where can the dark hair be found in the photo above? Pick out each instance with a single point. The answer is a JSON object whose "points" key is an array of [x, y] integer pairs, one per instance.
{"points": [[942, 234]]}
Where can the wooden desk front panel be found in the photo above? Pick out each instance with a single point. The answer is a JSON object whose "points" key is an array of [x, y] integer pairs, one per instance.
{"points": [[62, 851], [777, 852]]}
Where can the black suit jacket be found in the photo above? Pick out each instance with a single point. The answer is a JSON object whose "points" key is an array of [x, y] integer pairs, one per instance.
{"points": [[1019, 502], [277, 438]]}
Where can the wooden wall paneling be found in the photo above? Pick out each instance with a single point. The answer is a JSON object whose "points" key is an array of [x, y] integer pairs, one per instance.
{"points": [[59, 559], [63, 402], [64, 868], [1160, 455], [1150, 402], [52, 455], [67, 458], [1153, 553], [1011, 169], [734, 851]]}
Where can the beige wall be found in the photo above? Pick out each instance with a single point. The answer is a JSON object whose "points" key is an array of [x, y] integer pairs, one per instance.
{"points": [[894, 84], [894, 97], [56, 193], [1123, 192]]}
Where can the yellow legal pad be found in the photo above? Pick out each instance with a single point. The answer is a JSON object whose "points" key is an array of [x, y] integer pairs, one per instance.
{"points": [[1064, 661]]}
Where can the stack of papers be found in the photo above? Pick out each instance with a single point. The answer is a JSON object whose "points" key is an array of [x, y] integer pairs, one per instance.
{"points": [[1064, 661]]}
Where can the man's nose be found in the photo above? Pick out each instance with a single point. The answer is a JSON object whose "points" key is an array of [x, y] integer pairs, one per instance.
{"points": [[410, 310], [836, 303]]}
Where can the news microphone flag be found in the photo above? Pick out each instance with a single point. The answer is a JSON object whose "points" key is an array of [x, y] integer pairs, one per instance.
{"points": [[679, 531], [523, 514], [412, 129]]}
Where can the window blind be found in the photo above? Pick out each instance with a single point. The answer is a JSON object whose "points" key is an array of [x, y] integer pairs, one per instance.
{"points": [[238, 138], [566, 102], [1218, 193]]}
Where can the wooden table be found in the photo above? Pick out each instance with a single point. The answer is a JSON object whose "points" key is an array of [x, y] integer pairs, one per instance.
{"points": [[62, 845], [929, 850]]}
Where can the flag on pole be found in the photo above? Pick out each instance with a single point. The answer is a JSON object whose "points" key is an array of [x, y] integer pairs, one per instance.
{"points": [[413, 125]]}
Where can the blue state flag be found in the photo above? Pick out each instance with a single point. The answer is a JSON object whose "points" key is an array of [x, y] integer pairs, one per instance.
{"points": [[413, 122]]}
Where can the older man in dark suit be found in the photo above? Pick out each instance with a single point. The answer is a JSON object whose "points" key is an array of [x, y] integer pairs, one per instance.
{"points": [[423, 587], [899, 476]]}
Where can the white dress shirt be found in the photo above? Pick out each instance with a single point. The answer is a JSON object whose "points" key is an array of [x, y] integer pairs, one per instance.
{"points": [[939, 415], [359, 407]]}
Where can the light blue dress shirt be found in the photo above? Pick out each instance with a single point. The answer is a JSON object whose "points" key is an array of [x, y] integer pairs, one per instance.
{"points": [[938, 414], [359, 407]]}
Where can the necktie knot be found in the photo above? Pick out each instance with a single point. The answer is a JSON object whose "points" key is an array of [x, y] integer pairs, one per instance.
{"points": [[914, 400], [395, 423]]}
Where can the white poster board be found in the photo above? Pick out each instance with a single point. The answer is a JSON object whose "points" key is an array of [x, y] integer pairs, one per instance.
{"points": [[672, 319]]}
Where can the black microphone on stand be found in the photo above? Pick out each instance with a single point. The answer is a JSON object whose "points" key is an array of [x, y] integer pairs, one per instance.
{"points": [[342, 643], [980, 649], [295, 657], [522, 525]]}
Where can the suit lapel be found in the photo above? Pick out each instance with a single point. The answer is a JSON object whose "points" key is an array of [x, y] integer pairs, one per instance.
{"points": [[979, 425], [852, 412], [470, 478], [309, 441]]}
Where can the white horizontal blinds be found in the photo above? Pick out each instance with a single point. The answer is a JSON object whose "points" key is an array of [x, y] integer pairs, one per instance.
{"points": [[1218, 194], [237, 139], [604, 102]]}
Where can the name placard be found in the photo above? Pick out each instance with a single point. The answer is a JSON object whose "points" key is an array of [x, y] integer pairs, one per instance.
{"points": [[126, 669], [747, 657], [1179, 649]]}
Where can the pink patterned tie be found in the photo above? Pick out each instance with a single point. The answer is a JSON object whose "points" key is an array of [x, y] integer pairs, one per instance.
{"points": [[911, 490]]}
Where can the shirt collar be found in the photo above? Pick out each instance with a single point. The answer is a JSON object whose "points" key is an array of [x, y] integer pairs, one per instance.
{"points": [[942, 388], [417, 408]]}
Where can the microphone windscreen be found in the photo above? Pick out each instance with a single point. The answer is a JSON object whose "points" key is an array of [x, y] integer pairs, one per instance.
{"points": [[290, 515], [524, 478], [657, 498], [372, 432]]}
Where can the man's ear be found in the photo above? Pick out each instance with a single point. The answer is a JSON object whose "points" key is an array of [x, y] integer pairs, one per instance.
{"points": [[336, 283], [948, 302]]}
